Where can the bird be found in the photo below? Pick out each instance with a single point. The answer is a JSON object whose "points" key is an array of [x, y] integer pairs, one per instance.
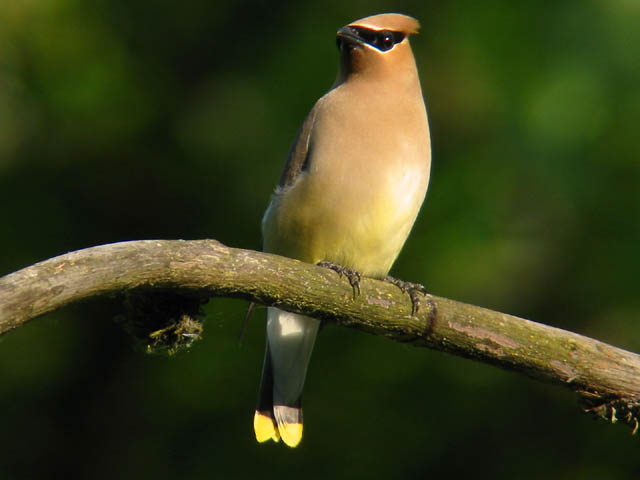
{"points": [[353, 183]]}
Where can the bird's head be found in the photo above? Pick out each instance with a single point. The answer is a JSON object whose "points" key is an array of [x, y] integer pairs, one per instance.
{"points": [[376, 44]]}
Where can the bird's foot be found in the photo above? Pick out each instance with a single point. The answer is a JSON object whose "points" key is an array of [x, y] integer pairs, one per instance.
{"points": [[413, 289], [352, 275]]}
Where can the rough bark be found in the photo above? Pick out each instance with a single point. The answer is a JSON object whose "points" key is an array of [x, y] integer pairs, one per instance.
{"points": [[606, 378]]}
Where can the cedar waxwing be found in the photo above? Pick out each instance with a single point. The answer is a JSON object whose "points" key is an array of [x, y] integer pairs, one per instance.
{"points": [[353, 182]]}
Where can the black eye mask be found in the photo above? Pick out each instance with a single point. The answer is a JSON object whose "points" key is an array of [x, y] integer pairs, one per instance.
{"points": [[383, 40]]}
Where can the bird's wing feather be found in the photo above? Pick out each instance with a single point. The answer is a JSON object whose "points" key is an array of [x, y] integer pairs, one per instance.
{"points": [[298, 156]]}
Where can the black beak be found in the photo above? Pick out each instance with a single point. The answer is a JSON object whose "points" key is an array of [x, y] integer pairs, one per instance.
{"points": [[348, 37]]}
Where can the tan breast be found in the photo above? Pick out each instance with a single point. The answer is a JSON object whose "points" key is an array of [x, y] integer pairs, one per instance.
{"points": [[367, 177]]}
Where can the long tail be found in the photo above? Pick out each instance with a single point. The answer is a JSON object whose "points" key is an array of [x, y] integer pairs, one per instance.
{"points": [[290, 339]]}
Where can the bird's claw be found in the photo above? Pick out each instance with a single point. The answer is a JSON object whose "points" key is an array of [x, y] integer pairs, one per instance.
{"points": [[352, 275], [413, 289]]}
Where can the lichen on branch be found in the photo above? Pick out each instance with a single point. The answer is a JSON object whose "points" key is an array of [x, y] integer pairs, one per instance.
{"points": [[606, 378]]}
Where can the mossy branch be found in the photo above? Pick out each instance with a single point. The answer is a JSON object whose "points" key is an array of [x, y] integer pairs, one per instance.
{"points": [[606, 378]]}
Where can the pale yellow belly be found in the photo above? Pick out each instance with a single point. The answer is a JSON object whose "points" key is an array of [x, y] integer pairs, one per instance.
{"points": [[356, 223]]}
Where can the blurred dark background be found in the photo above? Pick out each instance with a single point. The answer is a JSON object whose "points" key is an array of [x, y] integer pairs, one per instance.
{"points": [[124, 120]]}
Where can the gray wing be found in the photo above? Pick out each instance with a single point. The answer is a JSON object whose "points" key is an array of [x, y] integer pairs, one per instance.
{"points": [[298, 156]]}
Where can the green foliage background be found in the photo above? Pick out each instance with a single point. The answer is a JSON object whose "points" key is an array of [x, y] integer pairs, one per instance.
{"points": [[124, 120]]}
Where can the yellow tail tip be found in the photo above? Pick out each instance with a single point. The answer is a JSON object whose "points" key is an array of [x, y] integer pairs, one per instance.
{"points": [[291, 433], [265, 427]]}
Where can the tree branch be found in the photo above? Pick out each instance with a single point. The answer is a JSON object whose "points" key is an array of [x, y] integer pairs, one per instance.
{"points": [[606, 378]]}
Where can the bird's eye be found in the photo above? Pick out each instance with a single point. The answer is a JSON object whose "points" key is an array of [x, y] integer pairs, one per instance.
{"points": [[385, 40]]}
